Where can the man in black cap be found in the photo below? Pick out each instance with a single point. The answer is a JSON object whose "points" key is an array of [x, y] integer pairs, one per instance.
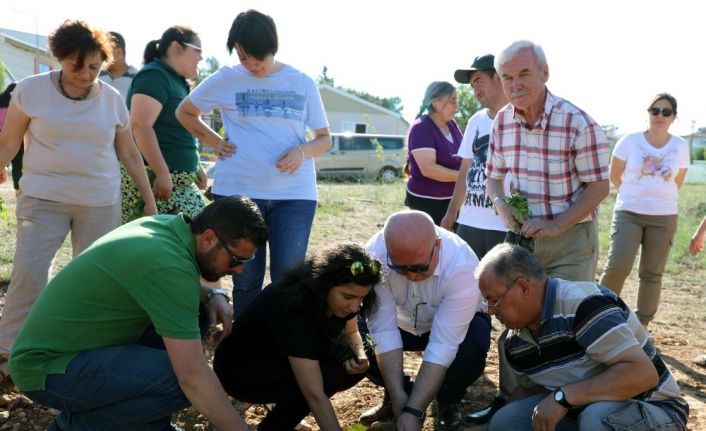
{"points": [[478, 223]]}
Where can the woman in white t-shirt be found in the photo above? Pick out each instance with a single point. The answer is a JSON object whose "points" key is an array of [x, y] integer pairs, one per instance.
{"points": [[647, 168], [76, 131], [266, 107]]}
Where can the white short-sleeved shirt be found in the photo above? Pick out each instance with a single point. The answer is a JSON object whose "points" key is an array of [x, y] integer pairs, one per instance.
{"points": [[444, 303], [70, 145], [263, 117], [649, 185], [477, 210]]}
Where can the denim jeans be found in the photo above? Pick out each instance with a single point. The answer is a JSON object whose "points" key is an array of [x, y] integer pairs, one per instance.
{"points": [[630, 415], [466, 368], [289, 223], [127, 387]]}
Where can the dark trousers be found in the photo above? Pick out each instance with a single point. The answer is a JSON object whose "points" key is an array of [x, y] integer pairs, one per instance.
{"points": [[273, 381], [436, 208], [465, 369]]}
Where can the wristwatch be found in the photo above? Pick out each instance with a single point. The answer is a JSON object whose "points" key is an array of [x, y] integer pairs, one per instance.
{"points": [[213, 292], [420, 415], [560, 397]]}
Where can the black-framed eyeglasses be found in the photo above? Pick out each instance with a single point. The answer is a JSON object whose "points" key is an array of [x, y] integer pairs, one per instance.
{"points": [[666, 112], [403, 269], [234, 260], [496, 304]]}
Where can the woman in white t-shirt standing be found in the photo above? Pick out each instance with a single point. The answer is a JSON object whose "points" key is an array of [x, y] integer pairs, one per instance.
{"points": [[647, 168], [266, 107], [76, 129]]}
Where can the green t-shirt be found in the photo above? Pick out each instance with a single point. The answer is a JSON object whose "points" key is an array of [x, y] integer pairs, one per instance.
{"points": [[165, 85], [142, 273]]}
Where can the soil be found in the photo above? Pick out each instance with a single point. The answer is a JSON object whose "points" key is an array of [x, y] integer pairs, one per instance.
{"points": [[677, 332]]}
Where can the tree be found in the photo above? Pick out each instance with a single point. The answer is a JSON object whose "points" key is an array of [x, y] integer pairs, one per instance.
{"points": [[212, 65], [467, 105], [392, 103], [3, 76], [324, 79]]}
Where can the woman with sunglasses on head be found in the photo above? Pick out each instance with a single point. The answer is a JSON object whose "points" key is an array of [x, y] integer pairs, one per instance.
{"points": [[433, 141], [76, 132], [647, 169], [169, 149], [298, 344], [267, 109]]}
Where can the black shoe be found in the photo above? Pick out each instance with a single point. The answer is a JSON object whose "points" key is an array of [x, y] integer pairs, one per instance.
{"points": [[53, 427], [483, 416], [448, 417], [380, 413]]}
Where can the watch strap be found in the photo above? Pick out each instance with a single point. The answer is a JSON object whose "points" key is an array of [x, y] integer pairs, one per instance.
{"points": [[416, 413], [560, 397], [222, 292]]}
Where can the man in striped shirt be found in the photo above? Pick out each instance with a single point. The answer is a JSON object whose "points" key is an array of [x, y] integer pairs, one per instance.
{"points": [[595, 365]]}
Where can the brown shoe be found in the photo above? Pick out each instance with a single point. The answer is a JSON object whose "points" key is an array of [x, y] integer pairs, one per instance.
{"points": [[380, 413]]}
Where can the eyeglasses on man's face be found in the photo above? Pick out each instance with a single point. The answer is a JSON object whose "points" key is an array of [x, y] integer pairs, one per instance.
{"points": [[666, 112], [234, 260], [418, 268], [496, 304]]}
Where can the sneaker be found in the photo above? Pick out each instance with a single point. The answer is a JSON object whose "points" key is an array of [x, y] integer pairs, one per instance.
{"points": [[484, 415], [448, 417], [380, 413]]}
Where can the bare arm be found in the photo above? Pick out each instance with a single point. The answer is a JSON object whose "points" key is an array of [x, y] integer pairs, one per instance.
{"points": [[143, 114], [697, 240], [426, 160], [201, 386], [190, 117], [16, 124], [588, 200], [130, 156], [495, 190], [426, 386], [458, 197], [679, 179], [390, 364], [360, 363], [617, 169], [311, 383], [290, 161]]}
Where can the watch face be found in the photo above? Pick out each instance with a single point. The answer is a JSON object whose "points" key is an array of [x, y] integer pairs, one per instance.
{"points": [[559, 395]]}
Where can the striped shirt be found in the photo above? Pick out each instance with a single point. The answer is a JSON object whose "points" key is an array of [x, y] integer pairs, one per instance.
{"points": [[550, 160], [583, 326]]}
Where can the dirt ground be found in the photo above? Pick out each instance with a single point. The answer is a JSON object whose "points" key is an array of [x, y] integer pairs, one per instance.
{"points": [[677, 331]]}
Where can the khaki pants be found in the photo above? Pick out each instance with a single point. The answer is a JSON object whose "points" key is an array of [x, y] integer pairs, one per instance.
{"points": [[42, 227], [630, 231], [571, 256]]}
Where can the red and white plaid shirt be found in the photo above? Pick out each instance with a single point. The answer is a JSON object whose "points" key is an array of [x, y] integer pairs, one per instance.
{"points": [[551, 162]]}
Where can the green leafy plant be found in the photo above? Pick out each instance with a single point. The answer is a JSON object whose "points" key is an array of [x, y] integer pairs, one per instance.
{"points": [[520, 209], [356, 427], [3, 210]]}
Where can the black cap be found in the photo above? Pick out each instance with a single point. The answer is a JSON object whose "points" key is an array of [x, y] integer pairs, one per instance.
{"points": [[483, 62]]}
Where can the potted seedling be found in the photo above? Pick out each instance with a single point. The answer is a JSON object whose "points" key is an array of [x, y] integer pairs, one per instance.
{"points": [[520, 212]]}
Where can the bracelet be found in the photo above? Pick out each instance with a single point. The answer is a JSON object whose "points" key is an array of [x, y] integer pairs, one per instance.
{"points": [[302, 151]]}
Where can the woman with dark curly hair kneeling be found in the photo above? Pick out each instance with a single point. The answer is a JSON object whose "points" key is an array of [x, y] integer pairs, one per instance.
{"points": [[297, 343]]}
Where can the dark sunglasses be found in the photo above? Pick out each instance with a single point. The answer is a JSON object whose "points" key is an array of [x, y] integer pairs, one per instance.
{"points": [[403, 269], [666, 112], [234, 260]]}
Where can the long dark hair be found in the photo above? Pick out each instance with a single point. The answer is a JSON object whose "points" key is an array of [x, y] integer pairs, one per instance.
{"points": [[309, 282], [7, 94], [158, 48]]}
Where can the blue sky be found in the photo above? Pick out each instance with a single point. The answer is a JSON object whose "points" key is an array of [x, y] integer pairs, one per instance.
{"points": [[608, 57]]}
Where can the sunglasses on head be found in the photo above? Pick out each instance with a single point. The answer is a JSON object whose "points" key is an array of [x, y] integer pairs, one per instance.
{"points": [[666, 112], [358, 268], [234, 260], [419, 268]]}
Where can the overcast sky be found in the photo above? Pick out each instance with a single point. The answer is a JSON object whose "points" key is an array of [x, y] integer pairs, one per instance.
{"points": [[609, 57]]}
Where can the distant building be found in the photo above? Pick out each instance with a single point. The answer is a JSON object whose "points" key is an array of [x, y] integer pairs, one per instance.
{"points": [[25, 54], [349, 113], [696, 139]]}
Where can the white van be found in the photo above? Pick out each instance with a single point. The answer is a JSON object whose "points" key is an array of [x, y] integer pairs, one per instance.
{"points": [[363, 155]]}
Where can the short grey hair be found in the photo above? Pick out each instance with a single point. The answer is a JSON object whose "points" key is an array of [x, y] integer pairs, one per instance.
{"points": [[517, 46], [509, 261]]}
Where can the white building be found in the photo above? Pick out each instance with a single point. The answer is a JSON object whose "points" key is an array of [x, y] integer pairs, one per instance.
{"points": [[25, 54]]}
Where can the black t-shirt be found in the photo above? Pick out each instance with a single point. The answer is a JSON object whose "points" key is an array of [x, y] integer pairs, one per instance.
{"points": [[267, 329]]}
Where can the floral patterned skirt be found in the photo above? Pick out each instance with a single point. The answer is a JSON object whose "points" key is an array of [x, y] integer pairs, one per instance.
{"points": [[186, 197]]}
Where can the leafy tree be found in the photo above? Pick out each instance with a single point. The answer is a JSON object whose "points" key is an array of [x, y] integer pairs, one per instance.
{"points": [[392, 103], [324, 79], [3, 76], [212, 65], [467, 105]]}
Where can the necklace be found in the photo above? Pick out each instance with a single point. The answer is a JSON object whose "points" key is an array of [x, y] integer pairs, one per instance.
{"points": [[65, 94]]}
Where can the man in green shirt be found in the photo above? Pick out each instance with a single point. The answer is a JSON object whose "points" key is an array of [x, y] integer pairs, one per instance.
{"points": [[81, 350]]}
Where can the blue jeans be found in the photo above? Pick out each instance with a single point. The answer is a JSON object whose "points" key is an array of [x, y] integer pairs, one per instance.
{"points": [[127, 387], [289, 224], [630, 415], [466, 368]]}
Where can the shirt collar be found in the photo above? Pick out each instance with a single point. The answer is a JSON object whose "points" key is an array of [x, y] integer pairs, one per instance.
{"points": [[549, 299], [543, 121]]}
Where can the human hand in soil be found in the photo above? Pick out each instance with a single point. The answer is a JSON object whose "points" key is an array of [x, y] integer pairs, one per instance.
{"points": [[547, 414], [220, 311], [356, 365]]}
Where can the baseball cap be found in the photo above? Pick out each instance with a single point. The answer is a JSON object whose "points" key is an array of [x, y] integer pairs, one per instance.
{"points": [[482, 62]]}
